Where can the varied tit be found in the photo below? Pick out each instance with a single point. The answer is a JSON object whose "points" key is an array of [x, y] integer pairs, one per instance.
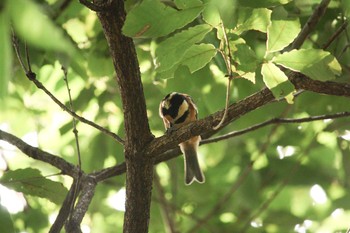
{"points": [[177, 109]]}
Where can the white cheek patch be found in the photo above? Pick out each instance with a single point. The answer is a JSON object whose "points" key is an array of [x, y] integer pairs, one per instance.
{"points": [[182, 109]]}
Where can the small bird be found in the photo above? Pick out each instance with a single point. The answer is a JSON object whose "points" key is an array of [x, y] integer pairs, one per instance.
{"points": [[178, 109]]}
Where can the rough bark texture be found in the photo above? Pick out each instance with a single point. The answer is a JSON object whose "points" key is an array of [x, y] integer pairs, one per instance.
{"points": [[139, 170]]}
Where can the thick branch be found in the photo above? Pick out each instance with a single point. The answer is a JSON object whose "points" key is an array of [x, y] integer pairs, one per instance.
{"points": [[259, 99], [301, 81], [139, 168], [86, 195]]}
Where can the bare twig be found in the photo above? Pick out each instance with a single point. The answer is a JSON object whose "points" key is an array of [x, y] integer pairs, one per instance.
{"points": [[65, 210], [335, 35], [16, 46], [278, 189], [170, 154], [227, 58], [75, 131], [221, 203], [310, 24], [32, 77], [87, 193], [276, 121]]}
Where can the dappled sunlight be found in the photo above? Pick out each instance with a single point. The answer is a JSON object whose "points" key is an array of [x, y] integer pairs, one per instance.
{"points": [[117, 200], [285, 151], [13, 201], [318, 194]]}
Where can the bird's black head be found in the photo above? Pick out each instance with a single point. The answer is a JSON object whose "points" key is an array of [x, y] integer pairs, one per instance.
{"points": [[172, 103]]}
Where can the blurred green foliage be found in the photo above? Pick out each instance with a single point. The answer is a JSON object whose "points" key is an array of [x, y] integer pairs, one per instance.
{"points": [[261, 181]]}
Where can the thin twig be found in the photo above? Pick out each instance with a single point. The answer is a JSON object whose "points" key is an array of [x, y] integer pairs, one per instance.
{"points": [[222, 202], [32, 77], [310, 24], [242, 177], [278, 189], [190, 216], [16, 46], [27, 58], [276, 121], [335, 35], [170, 154], [227, 58], [65, 210], [75, 131]]}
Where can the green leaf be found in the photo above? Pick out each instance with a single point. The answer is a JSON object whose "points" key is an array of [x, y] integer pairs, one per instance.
{"points": [[211, 14], [6, 223], [246, 58], [30, 181], [315, 63], [252, 19], [198, 56], [153, 19], [33, 26], [171, 51], [5, 52], [281, 33], [276, 80]]}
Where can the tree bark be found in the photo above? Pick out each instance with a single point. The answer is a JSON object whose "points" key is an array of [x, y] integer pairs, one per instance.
{"points": [[139, 169]]}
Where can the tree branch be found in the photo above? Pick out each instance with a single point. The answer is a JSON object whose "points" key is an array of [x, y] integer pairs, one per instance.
{"points": [[65, 210], [250, 103], [32, 77], [276, 121], [310, 24], [139, 175], [173, 153], [87, 193], [38, 154]]}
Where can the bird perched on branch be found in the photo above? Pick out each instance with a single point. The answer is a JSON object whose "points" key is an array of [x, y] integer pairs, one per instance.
{"points": [[178, 109]]}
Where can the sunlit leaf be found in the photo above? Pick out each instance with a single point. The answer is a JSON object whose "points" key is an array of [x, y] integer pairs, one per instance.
{"points": [[317, 64], [281, 33], [252, 19], [33, 26], [198, 56], [276, 80], [211, 14], [153, 19], [171, 51], [31, 182]]}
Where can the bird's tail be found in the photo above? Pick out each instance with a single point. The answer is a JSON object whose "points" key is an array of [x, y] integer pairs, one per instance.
{"points": [[192, 169]]}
